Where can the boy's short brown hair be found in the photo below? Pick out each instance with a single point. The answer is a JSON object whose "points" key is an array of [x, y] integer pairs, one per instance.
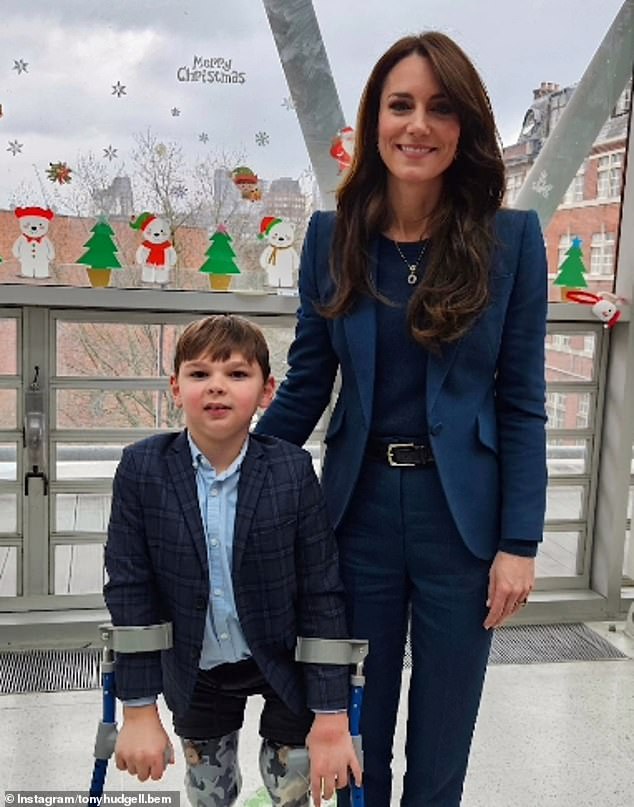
{"points": [[218, 336]]}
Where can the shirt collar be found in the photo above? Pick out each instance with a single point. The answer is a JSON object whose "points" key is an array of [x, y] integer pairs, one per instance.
{"points": [[200, 461]]}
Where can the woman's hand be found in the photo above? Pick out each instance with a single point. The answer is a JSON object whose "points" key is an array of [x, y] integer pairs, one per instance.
{"points": [[511, 580]]}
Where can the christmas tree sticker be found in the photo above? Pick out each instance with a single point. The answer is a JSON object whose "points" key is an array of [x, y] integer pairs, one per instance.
{"points": [[220, 263], [101, 254], [572, 270]]}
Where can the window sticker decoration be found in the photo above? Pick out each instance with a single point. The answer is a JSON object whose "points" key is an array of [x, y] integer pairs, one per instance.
{"points": [[220, 264], [262, 139], [247, 183], [211, 70], [604, 305], [279, 258], [20, 66], [156, 255], [100, 257], [571, 272], [342, 148], [60, 173], [33, 248], [110, 153], [83, 153]]}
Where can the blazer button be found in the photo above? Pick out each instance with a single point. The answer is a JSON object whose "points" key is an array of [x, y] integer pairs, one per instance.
{"points": [[200, 604], [435, 429]]}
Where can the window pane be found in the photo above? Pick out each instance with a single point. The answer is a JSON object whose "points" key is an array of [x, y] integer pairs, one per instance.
{"points": [[8, 513], [8, 461], [570, 356], [8, 571], [121, 409], [9, 342], [8, 408], [80, 461], [567, 457], [82, 512], [557, 555], [79, 569], [564, 503], [110, 349], [568, 410]]}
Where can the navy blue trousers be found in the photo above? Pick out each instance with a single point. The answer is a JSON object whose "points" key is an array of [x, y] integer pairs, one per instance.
{"points": [[404, 563]]}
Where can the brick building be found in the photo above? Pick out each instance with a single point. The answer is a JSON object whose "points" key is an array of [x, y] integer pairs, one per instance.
{"points": [[590, 209]]}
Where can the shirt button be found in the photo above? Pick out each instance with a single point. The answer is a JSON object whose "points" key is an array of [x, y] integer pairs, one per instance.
{"points": [[218, 592], [224, 636], [214, 542], [214, 491]]}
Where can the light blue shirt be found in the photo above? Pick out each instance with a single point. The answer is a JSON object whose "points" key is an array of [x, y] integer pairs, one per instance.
{"points": [[223, 640]]}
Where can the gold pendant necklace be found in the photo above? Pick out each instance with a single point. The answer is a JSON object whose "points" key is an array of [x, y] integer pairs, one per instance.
{"points": [[412, 277]]}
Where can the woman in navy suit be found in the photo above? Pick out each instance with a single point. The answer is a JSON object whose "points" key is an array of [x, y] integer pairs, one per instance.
{"points": [[431, 302]]}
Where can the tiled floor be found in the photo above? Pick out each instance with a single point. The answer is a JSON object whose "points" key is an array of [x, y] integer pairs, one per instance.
{"points": [[549, 735]]}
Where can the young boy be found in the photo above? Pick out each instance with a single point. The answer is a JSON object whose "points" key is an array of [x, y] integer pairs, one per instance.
{"points": [[225, 534]]}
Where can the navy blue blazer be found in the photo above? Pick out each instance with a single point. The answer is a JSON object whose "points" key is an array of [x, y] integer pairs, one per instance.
{"points": [[485, 392], [285, 571]]}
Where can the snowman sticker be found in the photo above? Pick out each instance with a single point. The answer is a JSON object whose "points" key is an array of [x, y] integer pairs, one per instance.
{"points": [[279, 258], [33, 248], [156, 254]]}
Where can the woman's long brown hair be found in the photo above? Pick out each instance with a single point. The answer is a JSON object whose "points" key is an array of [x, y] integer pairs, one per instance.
{"points": [[454, 289]]}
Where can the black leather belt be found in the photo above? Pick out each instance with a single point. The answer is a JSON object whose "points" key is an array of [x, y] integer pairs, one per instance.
{"points": [[400, 455]]}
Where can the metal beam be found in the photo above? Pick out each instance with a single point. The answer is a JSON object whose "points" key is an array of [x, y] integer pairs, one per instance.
{"points": [[305, 63], [591, 104]]}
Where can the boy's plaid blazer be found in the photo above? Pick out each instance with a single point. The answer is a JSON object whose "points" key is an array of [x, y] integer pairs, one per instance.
{"points": [[285, 569]]}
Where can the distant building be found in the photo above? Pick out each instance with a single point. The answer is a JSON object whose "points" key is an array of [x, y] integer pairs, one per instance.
{"points": [[115, 201], [590, 208], [284, 199]]}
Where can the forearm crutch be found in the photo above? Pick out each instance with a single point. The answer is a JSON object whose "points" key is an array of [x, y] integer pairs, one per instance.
{"points": [[135, 639], [345, 652]]}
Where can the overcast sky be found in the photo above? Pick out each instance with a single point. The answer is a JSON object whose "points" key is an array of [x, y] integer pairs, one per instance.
{"points": [[76, 51]]}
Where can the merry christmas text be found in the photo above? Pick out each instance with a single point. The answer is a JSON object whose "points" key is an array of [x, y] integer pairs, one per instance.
{"points": [[213, 70]]}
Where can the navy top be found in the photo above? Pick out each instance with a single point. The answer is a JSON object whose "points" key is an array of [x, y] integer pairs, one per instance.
{"points": [[401, 362], [400, 389]]}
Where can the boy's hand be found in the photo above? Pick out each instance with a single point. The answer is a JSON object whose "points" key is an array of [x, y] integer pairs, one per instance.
{"points": [[331, 754], [141, 744]]}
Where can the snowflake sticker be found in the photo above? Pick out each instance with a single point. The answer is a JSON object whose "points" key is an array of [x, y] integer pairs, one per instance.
{"points": [[180, 191], [118, 89], [110, 153], [262, 139], [21, 66], [14, 147], [203, 137], [288, 104], [541, 186], [175, 111], [59, 172]]}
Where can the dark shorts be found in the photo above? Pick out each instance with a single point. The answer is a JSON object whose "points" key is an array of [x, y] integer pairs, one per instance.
{"points": [[219, 700]]}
